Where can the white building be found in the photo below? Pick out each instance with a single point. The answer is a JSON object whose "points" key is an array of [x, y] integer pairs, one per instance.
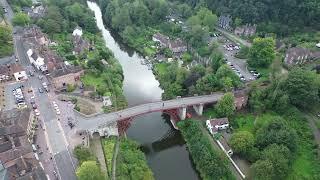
{"points": [[214, 125], [36, 60], [318, 45], [77, 31]]}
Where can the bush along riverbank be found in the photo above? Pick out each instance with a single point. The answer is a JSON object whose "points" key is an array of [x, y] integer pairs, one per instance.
{"points": [[131, 162], [210, 163], [103, 73]]}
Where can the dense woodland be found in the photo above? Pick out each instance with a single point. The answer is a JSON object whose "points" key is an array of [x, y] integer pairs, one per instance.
{"points": [[273, 16]]}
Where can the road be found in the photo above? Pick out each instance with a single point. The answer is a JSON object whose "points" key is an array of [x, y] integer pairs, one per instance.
{"points": [[234, 37], [55, 137], [100, 120]]}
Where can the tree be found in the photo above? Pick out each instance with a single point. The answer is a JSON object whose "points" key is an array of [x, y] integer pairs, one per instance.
{"points": [[89, 170], [279, 156], [242, 142], [83, 154], [21, 19], [262, 52], [263, 170], [237, 22], [226, 107], [302, 87], [5, 34], [276, 131], [225, 71], [6, 45]]}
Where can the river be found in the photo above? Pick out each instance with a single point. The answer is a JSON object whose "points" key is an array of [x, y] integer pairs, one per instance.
{"points": [[164, 147]]}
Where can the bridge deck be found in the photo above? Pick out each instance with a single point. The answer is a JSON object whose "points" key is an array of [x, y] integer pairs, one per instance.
{"points": [[100, 120]]}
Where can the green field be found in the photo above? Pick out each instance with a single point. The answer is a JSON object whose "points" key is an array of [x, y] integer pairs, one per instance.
{"points": [[244, 122]]}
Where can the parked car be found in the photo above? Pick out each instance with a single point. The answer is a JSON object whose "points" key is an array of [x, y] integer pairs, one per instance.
{"points": [[40, 90], [37, 112]]}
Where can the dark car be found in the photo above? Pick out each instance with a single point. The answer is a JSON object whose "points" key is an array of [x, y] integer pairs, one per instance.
{"points": [[40, 90]]}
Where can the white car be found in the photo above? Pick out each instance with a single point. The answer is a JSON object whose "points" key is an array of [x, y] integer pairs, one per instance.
{"points": [[37, 112], [58, 112]]}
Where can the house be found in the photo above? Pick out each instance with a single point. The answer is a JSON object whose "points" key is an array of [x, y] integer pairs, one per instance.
{"points": [[299, 55], [318, 45], [162, 39], [18, 72], [36, 60], [177, 46], [79, 43], [246, 30], [65, 75], [17, 159], [107, 101], [225, 22], [215, 125]]}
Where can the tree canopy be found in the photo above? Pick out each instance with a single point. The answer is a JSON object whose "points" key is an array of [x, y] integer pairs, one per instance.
{"points": [[262, 52], [226, 107], [21, 19], [302, 87], [89, 170], [242, 142]]}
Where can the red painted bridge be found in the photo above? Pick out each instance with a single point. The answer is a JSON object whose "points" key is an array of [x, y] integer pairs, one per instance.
{"points": [[176, 108]]}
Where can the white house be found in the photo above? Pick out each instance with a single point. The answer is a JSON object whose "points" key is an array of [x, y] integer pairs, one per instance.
{"points": [[214, 125], [77, 31], [107, 101], [36, 60]]}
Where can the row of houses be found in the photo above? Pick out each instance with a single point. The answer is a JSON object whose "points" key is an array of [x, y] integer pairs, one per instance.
{"points": [[59, 73], [176, 46], [297, 55], [17, 159], [225, 22]]}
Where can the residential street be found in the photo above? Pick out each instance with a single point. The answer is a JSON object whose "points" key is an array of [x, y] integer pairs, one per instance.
{"points": [[58, 146]]}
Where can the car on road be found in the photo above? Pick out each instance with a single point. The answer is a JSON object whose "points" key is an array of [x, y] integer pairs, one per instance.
{"points": [[40, 90], [37, 112], [58, 112], [34, 106]]}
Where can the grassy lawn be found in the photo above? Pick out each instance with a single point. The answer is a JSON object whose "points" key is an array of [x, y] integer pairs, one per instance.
{"points": [[161, 68], [149, 51], [90, 79], [210, 113], [305, 164], [108, 148], [243, 122]]}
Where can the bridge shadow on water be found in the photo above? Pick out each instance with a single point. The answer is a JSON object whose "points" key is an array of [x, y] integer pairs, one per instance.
{"points": [[170, 139]]}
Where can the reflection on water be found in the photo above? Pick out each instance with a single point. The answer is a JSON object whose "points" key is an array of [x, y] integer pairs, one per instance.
{"points": [[164, 147]]}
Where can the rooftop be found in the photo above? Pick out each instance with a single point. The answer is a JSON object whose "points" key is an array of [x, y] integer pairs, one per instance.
{"points": [[219, 121]]}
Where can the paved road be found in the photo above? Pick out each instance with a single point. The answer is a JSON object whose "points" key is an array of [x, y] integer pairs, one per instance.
{"points": [[240, 64], [234, 37], [85, 123], [55, 136]]}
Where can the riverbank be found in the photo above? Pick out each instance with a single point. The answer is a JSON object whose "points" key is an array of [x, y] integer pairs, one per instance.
{"points": [[211, 164]]}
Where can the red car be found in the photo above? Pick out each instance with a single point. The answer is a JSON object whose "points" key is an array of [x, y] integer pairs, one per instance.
{"points": [[189, 115]]}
